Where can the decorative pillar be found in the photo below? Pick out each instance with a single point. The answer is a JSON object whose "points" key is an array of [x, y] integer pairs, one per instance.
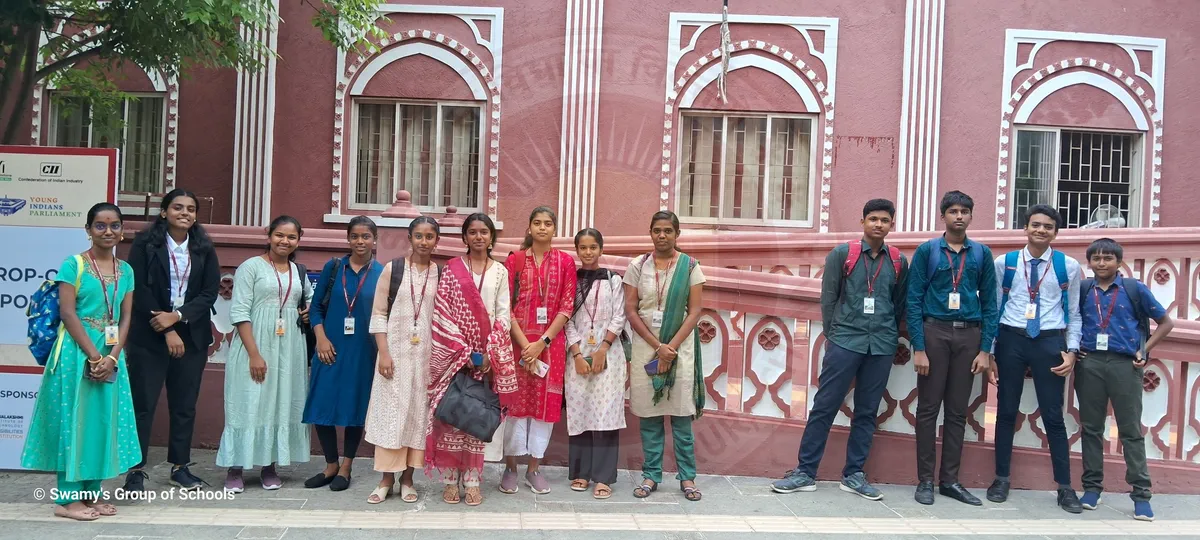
{"points": [[393, 241], [917, 192], [580, 117], [254, 130]]}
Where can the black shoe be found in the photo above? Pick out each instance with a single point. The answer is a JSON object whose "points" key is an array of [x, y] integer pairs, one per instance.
{"points": [[924, 494], [998, 493], [339, 483], [183, 478], [135, 481], [319, 480], [959, 493], [1069, 501]]}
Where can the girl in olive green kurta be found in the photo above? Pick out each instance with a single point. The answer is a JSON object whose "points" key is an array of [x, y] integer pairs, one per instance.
{"points": [[83, 426]]}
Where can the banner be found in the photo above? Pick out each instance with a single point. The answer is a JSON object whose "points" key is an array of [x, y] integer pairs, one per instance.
{"points": [[17, 394], [54, 187], [31, 255]]}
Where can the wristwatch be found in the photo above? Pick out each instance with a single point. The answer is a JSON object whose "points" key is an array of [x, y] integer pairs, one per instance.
{"points": [[546, 340], [1073, 351], [608, 342]]}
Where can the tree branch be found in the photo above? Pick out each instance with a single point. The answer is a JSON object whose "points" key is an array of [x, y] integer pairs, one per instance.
{"points": [[11, 63], [71, 60]]}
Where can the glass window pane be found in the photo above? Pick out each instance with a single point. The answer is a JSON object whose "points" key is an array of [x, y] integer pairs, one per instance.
{"points": [[745, 168], [1095, 176], [142, 151], [71, 117], [376, 143], [699, 173], [416, 151], [1035, 172], [791, 149], [460, 157]]}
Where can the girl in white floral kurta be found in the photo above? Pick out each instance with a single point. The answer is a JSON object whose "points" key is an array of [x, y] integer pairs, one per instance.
{"points": [[398, 413], [595, 381]]}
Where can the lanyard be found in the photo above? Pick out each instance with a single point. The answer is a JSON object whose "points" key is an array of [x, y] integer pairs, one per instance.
{"points": [[350, 300], [486, 264], [595, 305], [1104, 318], [955, 279], [659, 287], [109, 305], [412, 293], [282, 297], [537, 276], [175, 269], [1034, 288], [871, 279]]}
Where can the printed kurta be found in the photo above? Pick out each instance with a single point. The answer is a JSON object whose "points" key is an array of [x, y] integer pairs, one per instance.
{"points": [[641, 275], [398, 414], [263, 420], [597, 402], [552, 286], [338, 393]]}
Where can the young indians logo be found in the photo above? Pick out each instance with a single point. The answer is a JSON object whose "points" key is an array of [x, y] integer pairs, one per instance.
{"points": [[9, 206]]}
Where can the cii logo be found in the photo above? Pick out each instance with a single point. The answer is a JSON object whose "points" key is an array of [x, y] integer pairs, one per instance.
{"points": [[51, 169]]}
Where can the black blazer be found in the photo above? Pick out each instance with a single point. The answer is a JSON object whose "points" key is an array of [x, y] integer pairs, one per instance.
{"points": [[152, 292]]}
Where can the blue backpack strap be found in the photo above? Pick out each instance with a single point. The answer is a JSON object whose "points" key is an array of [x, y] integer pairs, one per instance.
{"points": [[935, 257], [1059, 260], [1010, 271], [977, 255], [1133, 291]]}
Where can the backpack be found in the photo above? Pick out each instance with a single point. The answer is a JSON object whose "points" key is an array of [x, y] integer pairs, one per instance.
{"points": [[1058, 259], [975, 251], [45, 324], [518, 267], [398, 278], [1139, 311], [856, 254]]}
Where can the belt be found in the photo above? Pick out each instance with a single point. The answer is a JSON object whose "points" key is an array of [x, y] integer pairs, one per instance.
{"points": [[1045, 331], [952, 324]]}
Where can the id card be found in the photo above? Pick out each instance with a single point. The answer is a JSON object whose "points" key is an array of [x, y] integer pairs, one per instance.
{"points": [[348, 326], [955, 302], [1031, 312], [869, 306], [1101, 342], [591, 339], [656, 319], [177, 302], [543, 317], [111, 333], [280, 329], [415, 339]]}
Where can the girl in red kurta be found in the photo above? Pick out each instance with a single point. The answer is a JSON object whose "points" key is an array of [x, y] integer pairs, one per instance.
{"points": [[543, 286]]}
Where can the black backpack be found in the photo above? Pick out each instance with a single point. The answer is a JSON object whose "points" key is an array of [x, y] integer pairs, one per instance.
{"points": [[398, 278], [1139, 311]]}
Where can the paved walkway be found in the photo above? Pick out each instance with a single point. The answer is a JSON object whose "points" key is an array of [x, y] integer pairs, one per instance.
{"points": [[733, 508]]}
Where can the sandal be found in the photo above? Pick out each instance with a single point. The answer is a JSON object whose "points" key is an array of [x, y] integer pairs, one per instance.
{"points": [[86, 513], [602, 491], [691, 493], [579, 485], [451, 494], [474, 496], [408, 494], [379, 495], [648, 486]]}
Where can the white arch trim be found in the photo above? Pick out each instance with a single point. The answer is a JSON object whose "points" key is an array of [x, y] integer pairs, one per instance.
{"points": [[453, 61], [771, 65], [1054, 84]]}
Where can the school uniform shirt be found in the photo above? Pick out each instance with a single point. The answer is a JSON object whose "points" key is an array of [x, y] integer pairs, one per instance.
{"points": [[1122, 329], [1049, 295], [178, 259], [930, 296], [842, 301]]}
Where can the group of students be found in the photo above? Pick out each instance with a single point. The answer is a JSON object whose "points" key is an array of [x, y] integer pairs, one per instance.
{"points": [[968, 315], [535, 329]]}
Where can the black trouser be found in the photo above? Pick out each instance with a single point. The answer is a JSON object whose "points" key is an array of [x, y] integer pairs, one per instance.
{"points": [[328, 437], [592, 456], [869, 373], [948, 385], [1016, 351], [151, 367]]}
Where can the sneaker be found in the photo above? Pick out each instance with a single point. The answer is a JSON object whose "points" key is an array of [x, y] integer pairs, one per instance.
{"points": [[234, 482], [183, 478], [537, 483], [135, 481], [1090, 500], [508, 482], [794, 481], [858, 485], [270, 478], [1142, 511]]}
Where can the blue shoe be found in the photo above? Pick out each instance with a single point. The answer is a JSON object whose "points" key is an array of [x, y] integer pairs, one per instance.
{"points": [[1090, 500], [183, 478], [858, 485], [1142, 511], [793, 482]]}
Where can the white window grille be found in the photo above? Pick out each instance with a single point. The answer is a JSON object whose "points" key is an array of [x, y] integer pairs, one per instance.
{"points": [[138, 132], [1076, 172]]}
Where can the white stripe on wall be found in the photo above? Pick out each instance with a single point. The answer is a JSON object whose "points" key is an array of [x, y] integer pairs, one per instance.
{"points": [[580, 118], [917, 190], [254, 133]]}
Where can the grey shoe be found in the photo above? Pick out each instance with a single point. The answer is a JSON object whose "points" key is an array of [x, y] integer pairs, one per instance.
{"points": [[508, 482], [794, 481], [858, 485]]}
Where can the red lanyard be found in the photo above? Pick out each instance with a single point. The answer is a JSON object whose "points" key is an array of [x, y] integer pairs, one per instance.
{"points": [[175, 269], [1104, 318], [109, 305], [1034, 288], [283, 298], [871, 279], [537, 274], [350, 300], [595, 305], [413, 294], [658, 288], [955, 279], [479, 285]]}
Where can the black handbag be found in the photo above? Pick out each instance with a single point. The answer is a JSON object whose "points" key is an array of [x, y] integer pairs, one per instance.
{"points": [[470, 406]]}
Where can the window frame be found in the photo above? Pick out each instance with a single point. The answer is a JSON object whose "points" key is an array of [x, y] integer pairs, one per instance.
{"points": [[52, 135], [349, 195], [770, 118], [1137, 172]]}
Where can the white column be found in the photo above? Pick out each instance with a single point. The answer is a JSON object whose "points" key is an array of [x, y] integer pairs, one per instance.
{"points": [[917, 192], [580, 118], [254, 131]]}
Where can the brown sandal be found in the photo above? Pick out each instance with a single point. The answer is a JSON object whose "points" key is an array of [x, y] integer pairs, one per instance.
{"points": [[602, 491], [579, 484], [691, 493], [648, 486], [451, 494], [474, 496]]}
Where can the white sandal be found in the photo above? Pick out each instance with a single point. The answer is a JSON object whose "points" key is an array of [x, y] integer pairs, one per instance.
{"points": [[408, 494], [381, 493]]}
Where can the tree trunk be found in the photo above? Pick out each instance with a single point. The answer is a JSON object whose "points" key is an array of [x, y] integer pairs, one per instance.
{"points": [[28, 79], [11, 64]]}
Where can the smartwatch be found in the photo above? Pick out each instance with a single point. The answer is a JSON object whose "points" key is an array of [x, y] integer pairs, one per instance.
{"points": [[546, 340], [1073, 351]]}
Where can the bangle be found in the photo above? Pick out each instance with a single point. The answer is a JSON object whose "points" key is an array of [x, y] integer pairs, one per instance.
{"points": [[110, 357], [608, 342], [96, 361]]}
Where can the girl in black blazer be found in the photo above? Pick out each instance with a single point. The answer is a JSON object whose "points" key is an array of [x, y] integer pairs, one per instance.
{"points": [[177, 277]]}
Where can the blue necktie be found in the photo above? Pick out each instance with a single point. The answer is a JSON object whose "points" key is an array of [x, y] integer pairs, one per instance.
{"points": [[1033, 326]]}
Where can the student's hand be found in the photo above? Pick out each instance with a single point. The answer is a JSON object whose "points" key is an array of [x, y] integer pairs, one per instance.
{"points": [[921, 363], [258, 369], [1139, 363], [600, 359], [101, 370], [533, 351], [1066, 366], [304, 315], [174, 345], [983, 364], [161, 321], [581, 366], [385, 366], [325, 352], [666, 353]]}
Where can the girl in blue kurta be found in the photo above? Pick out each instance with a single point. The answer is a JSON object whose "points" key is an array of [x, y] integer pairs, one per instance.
{"points": [[343, 367]]}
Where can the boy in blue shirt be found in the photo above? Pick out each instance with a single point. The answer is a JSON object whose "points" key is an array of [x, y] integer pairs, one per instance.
{"points": [[1115, 344]]}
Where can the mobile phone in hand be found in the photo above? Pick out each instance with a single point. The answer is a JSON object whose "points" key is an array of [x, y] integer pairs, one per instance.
{"points": [[652, 366]]}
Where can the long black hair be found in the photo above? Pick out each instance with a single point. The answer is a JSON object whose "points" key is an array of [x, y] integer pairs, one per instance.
{"points": [[412, 225], [279, 222], [528, 242], [483, 218], [156, 235], [103, 207]]}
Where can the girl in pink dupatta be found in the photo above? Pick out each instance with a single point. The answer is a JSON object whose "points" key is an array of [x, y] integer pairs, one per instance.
{"points": [[471, 314]]}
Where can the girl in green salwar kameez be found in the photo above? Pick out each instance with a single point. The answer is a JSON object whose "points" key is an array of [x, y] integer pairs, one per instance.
{"points": [[83, 426]]}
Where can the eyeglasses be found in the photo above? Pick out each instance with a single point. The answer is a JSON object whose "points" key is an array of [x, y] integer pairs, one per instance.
{"points": [[101, 227]]}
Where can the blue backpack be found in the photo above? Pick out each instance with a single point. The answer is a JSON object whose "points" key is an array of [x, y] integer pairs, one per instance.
{"points": [[1057, 259], [45, 325], [974, 250]]}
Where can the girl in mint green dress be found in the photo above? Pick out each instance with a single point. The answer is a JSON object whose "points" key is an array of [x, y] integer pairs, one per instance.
{"points": [[83, 425]]}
